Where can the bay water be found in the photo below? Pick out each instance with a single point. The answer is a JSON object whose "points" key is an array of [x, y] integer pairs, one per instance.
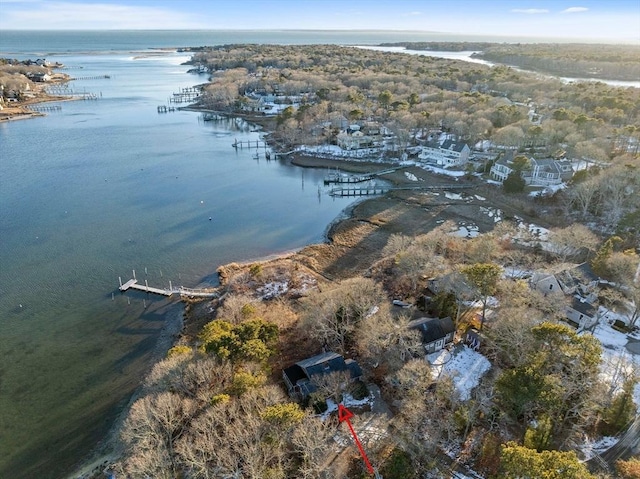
{"points": [[95, 190]]}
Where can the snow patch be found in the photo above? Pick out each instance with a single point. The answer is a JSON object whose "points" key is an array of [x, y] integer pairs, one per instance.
{"points": [[467, 231], [464, 365]]}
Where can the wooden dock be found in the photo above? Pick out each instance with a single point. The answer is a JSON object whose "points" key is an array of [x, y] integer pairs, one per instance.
{"points": [[381, 190], [42, 108], [365, 191], [166, 109], [180, 290], [249, 144], [341, 178]]}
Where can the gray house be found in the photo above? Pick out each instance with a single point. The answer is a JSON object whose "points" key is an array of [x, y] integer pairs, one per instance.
{"points": [[299, 378], [436, 332]]}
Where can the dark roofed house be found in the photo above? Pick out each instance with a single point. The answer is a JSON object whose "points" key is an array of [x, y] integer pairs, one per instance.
{"points": [[581, 314], [436, 332], [299, 378]]}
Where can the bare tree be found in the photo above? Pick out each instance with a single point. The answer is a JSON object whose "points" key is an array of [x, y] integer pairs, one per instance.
{"points": [[154, 425], [573, 240], [332, 315], [385, 342]]}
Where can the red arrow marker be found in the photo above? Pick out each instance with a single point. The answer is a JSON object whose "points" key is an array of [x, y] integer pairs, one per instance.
{"points": [[343, 416]]}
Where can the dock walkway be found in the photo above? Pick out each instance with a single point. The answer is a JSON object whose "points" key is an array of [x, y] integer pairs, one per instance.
{"points": [[342, 178], [181, 290], [381, 190]]}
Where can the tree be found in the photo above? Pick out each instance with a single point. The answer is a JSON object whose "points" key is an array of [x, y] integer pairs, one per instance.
{"points": [[385, 98], [514, 183], [484, 278], [386, 343], [524, 463], [599, 263], [621, 411], [333, 315], [250, 340], [557, 382], [628, 469], [584, 196], [571, 241], [150, 433]]}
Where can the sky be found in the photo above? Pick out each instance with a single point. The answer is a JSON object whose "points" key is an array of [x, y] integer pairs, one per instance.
{"points": [[606, 20]]}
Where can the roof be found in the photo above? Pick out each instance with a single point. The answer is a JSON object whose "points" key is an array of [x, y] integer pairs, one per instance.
{"points": [[320, 364], [453, 145], [583, 307], [433, 329]]}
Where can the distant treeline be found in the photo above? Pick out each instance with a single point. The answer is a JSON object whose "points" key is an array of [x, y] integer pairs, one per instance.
{"points": [[615, 62], [441, 46]]}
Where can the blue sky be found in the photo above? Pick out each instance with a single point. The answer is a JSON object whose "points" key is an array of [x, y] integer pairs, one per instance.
{"points": [[608, 20]]}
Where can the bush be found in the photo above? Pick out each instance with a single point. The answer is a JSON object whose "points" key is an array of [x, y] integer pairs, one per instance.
{"points": [[360, 390], [398, 466]]}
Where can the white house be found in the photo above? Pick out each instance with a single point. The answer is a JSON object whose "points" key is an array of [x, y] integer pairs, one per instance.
{"points": [[446, 154], [543, 172], [577, 285]]}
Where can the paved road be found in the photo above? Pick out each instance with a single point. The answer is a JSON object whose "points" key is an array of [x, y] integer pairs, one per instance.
{"points": [[626, 447]]}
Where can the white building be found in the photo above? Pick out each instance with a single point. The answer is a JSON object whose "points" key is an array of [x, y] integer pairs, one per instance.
{"points": [[447, 154]]}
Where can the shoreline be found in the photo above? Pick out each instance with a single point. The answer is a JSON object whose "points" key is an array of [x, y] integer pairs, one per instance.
{"points": [[106, 451]]}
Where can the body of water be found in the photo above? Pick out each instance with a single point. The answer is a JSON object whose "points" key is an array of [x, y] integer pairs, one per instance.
{"points": [[100, 188]]}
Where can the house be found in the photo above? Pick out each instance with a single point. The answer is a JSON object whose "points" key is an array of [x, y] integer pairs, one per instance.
{"points": [[39, 76], [353, 138], [300, 377], [542, 172], [581, 314], [578, 284], [546, 283], [446, 154], [436, 332]]}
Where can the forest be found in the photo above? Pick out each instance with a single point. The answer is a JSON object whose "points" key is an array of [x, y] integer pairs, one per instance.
{"points": [[616, 62], [217, 406]]}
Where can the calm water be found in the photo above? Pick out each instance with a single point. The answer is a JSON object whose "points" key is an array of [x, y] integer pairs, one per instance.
{"points": [[96, 190]]}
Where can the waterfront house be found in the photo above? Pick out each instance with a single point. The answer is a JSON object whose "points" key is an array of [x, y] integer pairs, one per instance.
{"points": [[447, 154], [353, 138], [301, 378], [541, 172]]}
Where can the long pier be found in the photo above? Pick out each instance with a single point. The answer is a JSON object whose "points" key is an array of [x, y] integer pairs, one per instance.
{"points": [[181, 290], [42, 108], [381, 190], [366, 191], [341, 178], [250, 144], [98, 77]]}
